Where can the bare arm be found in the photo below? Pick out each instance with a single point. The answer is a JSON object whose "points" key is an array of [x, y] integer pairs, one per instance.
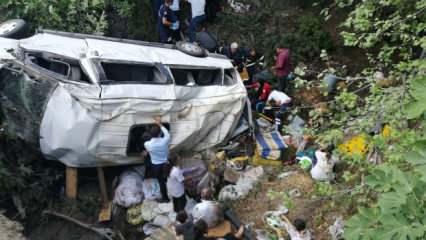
{"points": [[165, 22], [166, 133]]}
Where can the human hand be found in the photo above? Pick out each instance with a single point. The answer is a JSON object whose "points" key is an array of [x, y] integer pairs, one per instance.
{"points": [[157, 120]]}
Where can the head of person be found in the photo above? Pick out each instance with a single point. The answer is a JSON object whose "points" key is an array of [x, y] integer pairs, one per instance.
{"points": [[279, 48], [252, 52], [234, 47], [299, 224], [274, 103], [168, 2], [146, 136], [174, 159], [200, 229], [206, 194], [155, 131], [181, 216]]}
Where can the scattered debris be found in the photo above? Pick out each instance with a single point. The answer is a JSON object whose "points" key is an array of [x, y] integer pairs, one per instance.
{"points": [[129, 191], [336, 230], [294, 193], [10, 230], [286, 174], [243, 186], [239, 7]]}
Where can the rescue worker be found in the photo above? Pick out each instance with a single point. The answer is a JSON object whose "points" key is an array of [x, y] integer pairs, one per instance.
{"points": [[175, 7], [236, 55], [158, 150], [281, 101], [197, 17], [282, 67], [166, 21], [254, 63]]}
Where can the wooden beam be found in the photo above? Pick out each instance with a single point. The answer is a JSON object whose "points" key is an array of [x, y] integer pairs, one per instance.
{"points": [[105, 213], [71, 175], [102, 184]]}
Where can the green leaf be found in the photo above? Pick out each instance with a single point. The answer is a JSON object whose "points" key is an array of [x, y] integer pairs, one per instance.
{"points": [[418, 88], [391, 202], [422, 171], [359, 225], [414, 109], [415, 158]]}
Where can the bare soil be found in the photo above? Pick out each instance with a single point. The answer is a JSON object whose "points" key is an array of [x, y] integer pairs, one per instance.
{"points": [[319, 214]]}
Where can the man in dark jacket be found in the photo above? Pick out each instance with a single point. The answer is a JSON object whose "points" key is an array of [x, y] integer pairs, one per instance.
{"points": [[166, 20], [254, 64], [236, 54]]}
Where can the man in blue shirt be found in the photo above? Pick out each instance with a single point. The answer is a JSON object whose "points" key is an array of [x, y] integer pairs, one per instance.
{"points": [[158, 149], [166, 19]]}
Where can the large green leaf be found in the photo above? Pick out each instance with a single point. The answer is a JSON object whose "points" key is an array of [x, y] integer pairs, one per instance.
{"points": [[391, 202], [399, 227], [360, 225], [415, 158], [418, 88], [422, 171], [415, 109]]}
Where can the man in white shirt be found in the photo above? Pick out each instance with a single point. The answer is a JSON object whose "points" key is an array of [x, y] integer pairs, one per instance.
{"points": [[208, 210], [279, 100], [198, 17], [158, 149]]}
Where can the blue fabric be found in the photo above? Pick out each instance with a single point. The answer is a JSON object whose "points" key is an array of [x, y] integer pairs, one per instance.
{"points": [[278, 140], [265, 149], [195, 22], [158, 148], [260, 105], [270, 145], [156, 6]]}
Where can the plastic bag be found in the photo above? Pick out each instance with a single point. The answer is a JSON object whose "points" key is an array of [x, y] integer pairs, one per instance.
{"points": [[151, 189], [129, 191]]}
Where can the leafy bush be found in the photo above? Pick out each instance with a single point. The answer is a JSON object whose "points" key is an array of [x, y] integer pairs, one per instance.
{"points": [[308, 39], [86, 16], [24, 175]]}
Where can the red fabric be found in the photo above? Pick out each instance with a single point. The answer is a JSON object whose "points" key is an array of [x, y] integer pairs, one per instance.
{"points": [[282, 64], [265, 92]]}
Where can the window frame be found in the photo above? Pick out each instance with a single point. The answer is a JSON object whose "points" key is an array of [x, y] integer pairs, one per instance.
{"points": [[47, 56], [103, 80], [189, 68]]}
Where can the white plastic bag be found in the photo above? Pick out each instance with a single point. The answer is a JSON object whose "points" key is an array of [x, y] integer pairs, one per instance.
{"points": [[151, 189], [129, 190]]}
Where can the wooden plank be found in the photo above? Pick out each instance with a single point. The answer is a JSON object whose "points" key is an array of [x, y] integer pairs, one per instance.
{"points": [[105, 213], [71, 175], [102, 184]]}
